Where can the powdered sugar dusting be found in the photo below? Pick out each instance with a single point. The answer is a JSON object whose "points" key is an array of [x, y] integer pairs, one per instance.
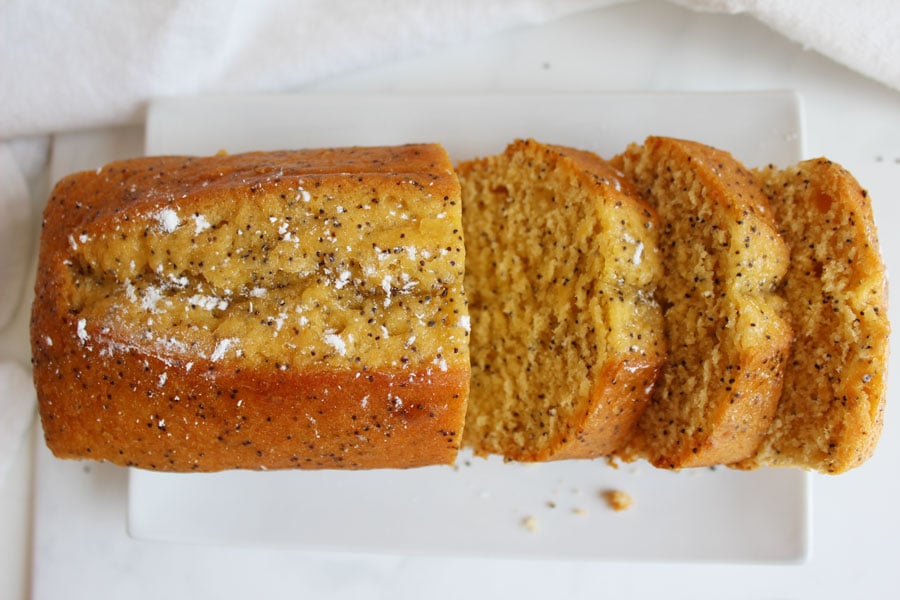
{"points": [[386, 286], [82, 331], [342, 280], [336, 342], [200, 224], [222, 347], [168, 220], [152, 295], [208, 302]]}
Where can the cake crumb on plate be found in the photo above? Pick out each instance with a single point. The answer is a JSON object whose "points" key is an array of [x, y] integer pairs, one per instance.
{"points": [[617, 499], [530, 523]]}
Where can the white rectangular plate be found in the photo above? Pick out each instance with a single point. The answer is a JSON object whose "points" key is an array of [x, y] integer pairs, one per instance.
{"points": [[481, 507]]}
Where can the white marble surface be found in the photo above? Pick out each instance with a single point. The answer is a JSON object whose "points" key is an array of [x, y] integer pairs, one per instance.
{"points": [[634, 47]]}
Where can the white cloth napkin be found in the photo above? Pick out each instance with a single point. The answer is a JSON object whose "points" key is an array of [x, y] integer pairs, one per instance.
{"points": [[15, 229], [69, 65], [17, 401], [97, 62], [861, 34]]}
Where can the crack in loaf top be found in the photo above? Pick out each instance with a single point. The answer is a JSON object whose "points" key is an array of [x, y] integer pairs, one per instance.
{"points": [[350, 248]]}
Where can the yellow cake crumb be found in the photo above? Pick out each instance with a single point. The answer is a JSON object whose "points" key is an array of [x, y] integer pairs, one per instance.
{"points": [[617, 499]]}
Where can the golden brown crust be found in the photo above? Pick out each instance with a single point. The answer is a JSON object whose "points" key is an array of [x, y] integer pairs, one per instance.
{"points": [[104, 394], [134, 409], [740, 360], [618, 398]]}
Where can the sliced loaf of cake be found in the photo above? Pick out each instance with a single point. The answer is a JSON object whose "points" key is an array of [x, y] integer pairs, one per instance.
{"points": [[830, 413], [567, 338], [727, 338]]}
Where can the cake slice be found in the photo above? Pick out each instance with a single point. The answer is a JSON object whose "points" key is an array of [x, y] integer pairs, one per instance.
{"points": [[567, 338], [255, 311], [830, 414], [727, 337]]}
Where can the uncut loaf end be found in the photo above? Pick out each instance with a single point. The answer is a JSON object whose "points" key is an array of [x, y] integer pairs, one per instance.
{"points": [[255, 311]]}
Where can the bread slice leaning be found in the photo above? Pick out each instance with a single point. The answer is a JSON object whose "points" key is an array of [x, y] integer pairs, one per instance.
{"points": [[566, 337], [830, 414], [727, 338]]}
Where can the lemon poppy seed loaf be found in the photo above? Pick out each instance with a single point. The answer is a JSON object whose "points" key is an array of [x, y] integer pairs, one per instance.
{"points": [[727, 337], [310, 309], [567, 338], [830, 414], [262, 310]]}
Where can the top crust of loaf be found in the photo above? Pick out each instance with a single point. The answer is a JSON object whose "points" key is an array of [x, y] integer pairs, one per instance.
{"points": [[830, 414], [727, 339], [257, 311], [567, 337]]}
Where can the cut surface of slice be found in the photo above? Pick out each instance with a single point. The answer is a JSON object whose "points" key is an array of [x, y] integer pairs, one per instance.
{"points": [[727, 337], [831, 410], [567, 337]]}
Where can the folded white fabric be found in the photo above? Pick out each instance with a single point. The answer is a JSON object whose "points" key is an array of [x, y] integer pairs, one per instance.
{"points": [[93, 63], [861, 34], [16, 411], [97, 62], [15, 232]]}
